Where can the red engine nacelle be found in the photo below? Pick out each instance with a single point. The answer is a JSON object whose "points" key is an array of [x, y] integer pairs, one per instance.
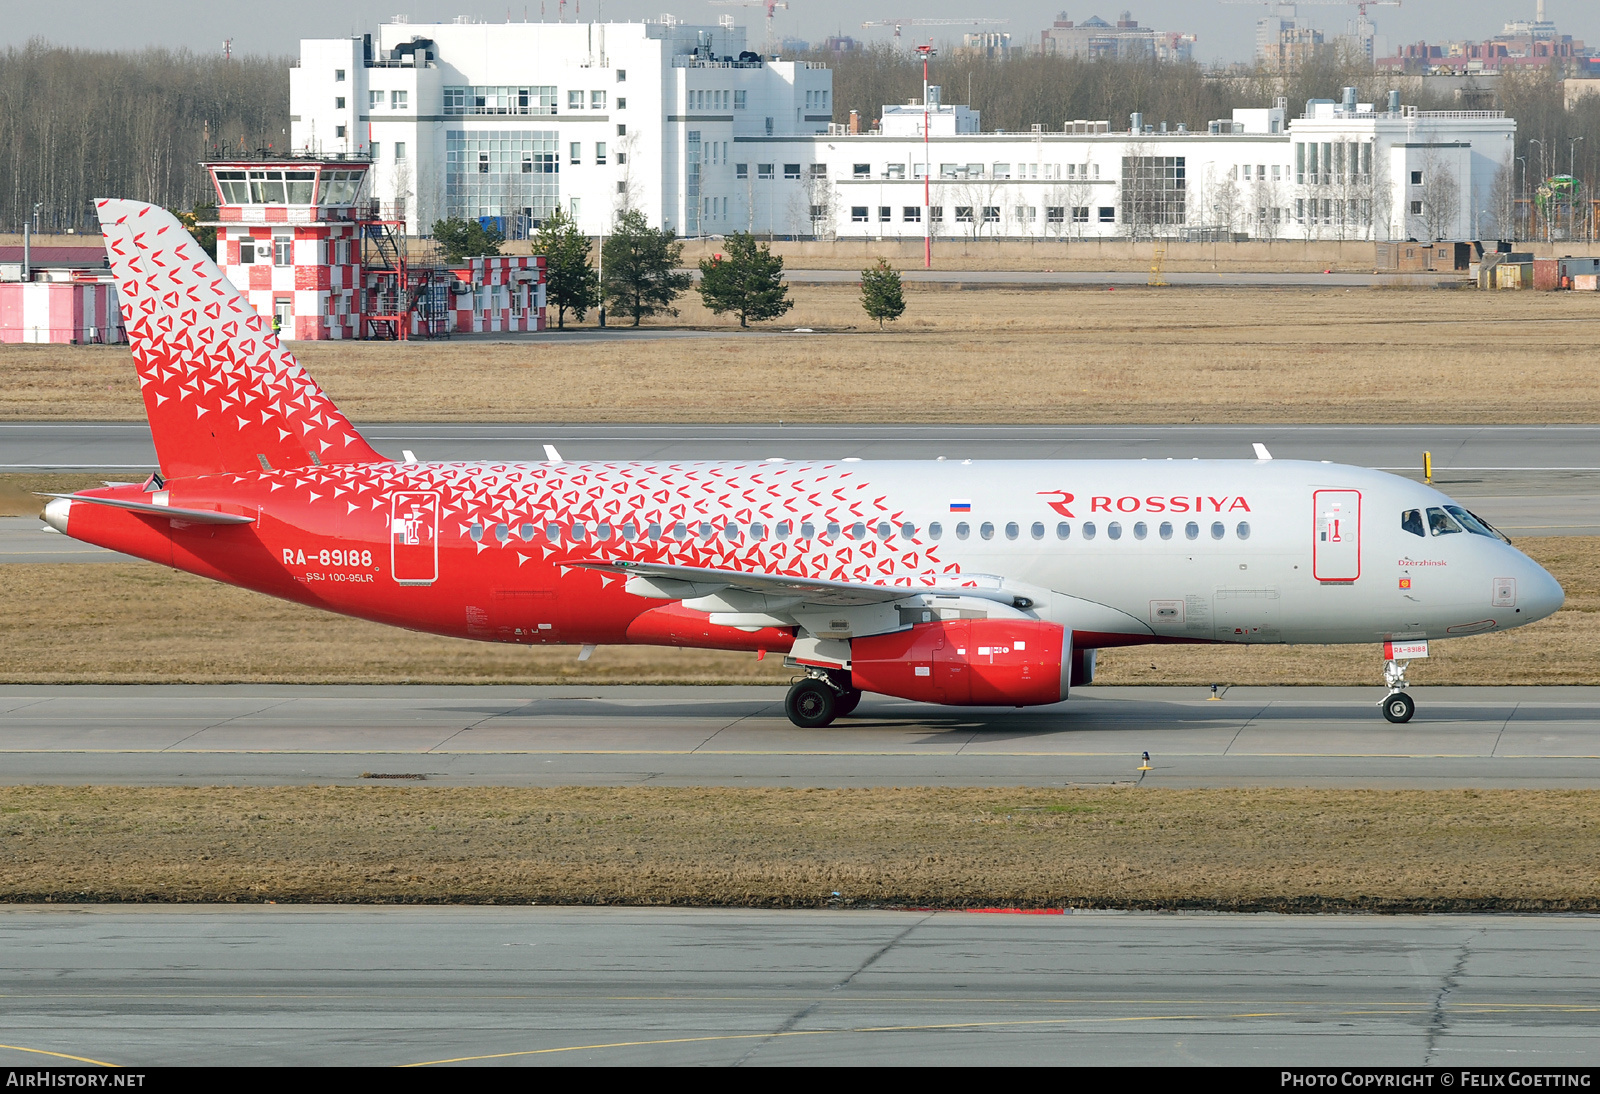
{"points": [[968, 662]]}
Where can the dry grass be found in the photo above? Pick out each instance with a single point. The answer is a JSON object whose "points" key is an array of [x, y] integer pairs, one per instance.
{"points": [[997, 355], [139, 623], [1291, 850]]}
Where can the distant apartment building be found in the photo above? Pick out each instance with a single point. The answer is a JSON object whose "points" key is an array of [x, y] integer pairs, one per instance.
{"points": [[989, 44], [1094, 39], [1521, 44], [1284, 46]]}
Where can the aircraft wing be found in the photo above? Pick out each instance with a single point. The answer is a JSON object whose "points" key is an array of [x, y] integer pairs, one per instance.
{"points": [[684, 582]]}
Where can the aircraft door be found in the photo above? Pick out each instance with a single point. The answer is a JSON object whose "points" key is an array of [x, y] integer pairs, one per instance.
{"points": [[1336, 548], [414, 538]]}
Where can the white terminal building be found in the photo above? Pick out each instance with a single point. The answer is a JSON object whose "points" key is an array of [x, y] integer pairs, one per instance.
{"points": [[685, 124]]}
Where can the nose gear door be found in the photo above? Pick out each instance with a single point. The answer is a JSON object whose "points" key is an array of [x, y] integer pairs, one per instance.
{"points": [[414, 538], [1336, 546]]}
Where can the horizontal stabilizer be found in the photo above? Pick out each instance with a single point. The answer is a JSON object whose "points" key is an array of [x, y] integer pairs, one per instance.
{"points": [[193, 516]]}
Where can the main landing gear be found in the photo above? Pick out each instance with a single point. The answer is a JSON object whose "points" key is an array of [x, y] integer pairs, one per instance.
{"points": [[1398, 707], [818, 699]]}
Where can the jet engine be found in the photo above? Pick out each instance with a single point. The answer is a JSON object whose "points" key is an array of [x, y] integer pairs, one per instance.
{"points": [[967, 662]]}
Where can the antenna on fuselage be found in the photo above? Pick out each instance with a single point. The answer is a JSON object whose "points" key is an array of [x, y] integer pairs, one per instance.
{"points": [[551, 455], [1261, 451]]}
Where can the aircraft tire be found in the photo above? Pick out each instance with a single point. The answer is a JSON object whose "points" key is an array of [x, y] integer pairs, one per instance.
{"points": [[846, 703], [1399, 708], [811, 704]]}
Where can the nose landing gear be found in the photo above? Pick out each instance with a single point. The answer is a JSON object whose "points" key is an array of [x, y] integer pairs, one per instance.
{"points": [[1398, 707]]}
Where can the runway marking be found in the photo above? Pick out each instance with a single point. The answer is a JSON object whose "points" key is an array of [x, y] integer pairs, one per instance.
{"points": [[691, 752], [1389, 1008], [59, 1055]]}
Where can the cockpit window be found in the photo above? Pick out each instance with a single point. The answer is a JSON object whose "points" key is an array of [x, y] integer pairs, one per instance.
{"points": [[1474, 523], [1441, 523], [1411, 521]]}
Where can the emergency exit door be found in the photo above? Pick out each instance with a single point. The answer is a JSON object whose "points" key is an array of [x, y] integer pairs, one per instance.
{"points": [[414, 538], [1336, 548]]}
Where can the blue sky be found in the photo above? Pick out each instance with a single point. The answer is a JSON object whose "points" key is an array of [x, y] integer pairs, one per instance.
{"points": [[1226, 31]]}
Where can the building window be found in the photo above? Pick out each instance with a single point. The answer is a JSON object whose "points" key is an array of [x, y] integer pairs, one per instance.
{"points": [[338, 102], [885, 214], [338, 75], [819, 212], [963, 214], [894, 171], [600, 152], [574, 152], [574, 100], [622, 187], [575, 205], [1056, 214], [597, 100], [763, 170], [861, 171], [791, 170], [622, 103], [1108, 214], [375, 151], [1154, 190], [819, 170], [1080, 214], [487, 99], [502, 173], [911, 214], [991, 214], [1416, 208], [622, 130], [622, 157], [741, 170], [399, 100], [1026, 213], [1002, 170], [399, 151], [247, 252], [282, 251], [622, 75], [858, 214], [374, 100], [1416, 178], [738, 100], [338, 131], [936, 214]]}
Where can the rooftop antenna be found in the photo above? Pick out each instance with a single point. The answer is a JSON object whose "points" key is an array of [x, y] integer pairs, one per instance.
{"points": [[227, 49]]}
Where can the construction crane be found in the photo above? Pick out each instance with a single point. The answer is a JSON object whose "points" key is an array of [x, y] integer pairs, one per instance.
{"points": [[770, 5], [898, 23]]}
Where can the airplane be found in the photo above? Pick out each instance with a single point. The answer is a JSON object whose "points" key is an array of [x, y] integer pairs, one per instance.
{"points": [[939, 581]]}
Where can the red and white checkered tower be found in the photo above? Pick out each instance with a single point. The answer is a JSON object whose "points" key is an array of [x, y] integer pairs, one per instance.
{"points": [[289, 238]]}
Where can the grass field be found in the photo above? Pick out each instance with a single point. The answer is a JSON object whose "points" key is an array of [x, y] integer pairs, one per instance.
{"points": [[995, 355], [1239, 849], [140, 623]]}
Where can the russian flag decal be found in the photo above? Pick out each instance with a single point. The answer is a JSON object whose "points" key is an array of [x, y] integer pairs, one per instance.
{"points": [[960, 505]]}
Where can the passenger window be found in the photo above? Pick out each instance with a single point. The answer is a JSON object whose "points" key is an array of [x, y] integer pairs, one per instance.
{"points": [[833, 529], [707, 533], [655, 531], [1114, 529], [1088, 529], [1411, 521], [758, 531], [986, 530], [526, 532], [1166, 529], [476, 532], [1037, 531], [680, 531], [578, 531], [963, 530], [1441, 523], [1191, 530], [782, 530], [1140, 530], [552, 532], [808, 530], [858, 530], [603, 532], [935, 530], [502, 532], [1063, 530], [1243, 531], [1217, 530], [908, 530], [1012, 531], [730, 531]]}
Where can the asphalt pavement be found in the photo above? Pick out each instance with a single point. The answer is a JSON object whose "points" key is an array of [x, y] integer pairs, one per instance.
{"points": [[1543, 737], [145, 986]]}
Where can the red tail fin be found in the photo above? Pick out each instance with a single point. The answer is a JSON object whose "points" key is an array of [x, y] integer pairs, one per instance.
{"points": [[221, 392]]}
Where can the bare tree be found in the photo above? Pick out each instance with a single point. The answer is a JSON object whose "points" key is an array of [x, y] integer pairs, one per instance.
{"points": [[1441, 198]]}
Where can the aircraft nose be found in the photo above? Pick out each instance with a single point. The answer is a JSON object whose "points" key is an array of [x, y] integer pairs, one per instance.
{"points": [[55, 514], [1540, 594]]}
